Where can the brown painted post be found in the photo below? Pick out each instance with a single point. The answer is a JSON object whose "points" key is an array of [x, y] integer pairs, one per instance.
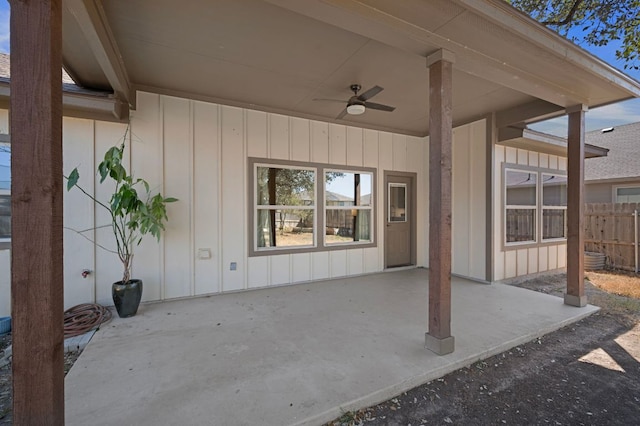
{"points": [[439, 339], [575, 295], [36, 212]]}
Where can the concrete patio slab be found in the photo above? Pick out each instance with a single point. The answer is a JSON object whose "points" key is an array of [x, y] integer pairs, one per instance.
{"points": [[293, 355]]}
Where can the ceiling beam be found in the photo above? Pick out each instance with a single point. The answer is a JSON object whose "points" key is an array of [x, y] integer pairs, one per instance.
{"points": [[387, 23], [104, 108], [527, 113], [92, 20]]}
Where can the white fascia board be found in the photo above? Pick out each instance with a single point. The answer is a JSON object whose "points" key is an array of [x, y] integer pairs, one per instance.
{"points": [[513, 20]]}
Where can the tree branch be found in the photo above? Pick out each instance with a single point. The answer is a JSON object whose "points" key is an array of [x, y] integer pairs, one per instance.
{"points": [[568, 18]]}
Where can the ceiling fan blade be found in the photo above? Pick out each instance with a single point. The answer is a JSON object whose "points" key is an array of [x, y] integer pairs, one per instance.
{"points": [[370, 93], [379, 107], [330, 100], [342, 114]]}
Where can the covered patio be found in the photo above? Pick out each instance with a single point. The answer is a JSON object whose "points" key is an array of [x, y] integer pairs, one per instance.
{"points": [[293, 355]]}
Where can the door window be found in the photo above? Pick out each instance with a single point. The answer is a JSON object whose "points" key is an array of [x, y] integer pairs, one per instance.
{"points": [[397, 202]]}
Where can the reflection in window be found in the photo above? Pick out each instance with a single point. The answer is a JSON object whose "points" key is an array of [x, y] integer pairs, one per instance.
{"points": [[521, 189], [348, 206], [5, 191], [554, 206], [285, 207]]}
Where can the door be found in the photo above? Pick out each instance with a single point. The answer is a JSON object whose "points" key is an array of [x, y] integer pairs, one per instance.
{"points": [[399, 220]]}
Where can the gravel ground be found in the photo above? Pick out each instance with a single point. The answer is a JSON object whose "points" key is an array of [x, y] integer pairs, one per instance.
{"points": [[5, 379], [585, 374]]}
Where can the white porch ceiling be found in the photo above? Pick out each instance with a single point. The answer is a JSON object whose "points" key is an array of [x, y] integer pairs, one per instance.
{"points": [[279, 55]]}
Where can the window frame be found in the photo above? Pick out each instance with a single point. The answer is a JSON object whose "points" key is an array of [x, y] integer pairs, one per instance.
{"points": [[325, 207], [257, 207], [625, 186], [319, 220], [544, 208], [507, 207], [5, 243], [539, 207]]}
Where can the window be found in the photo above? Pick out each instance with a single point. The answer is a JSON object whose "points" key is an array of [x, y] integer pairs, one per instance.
{"points": [[554, 206], [627, 194], [285, 207], [301, 207], [5, 192], [397, 202], [348, 206], [521, 194], [535, 205]]}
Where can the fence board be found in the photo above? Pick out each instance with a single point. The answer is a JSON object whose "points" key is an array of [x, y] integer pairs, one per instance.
{"points": [[609, 229]]}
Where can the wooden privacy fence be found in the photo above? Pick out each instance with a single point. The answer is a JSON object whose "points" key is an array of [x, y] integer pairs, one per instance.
{"points": [[612, 229]]}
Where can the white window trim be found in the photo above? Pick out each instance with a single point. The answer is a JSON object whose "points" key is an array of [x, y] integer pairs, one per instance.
{"points": [[257, 207], [543, 208], [614, 190], [5, 241], [396, 185], [520, 207], [369, 207], [6, 141], [319, 223], [539, 208]]}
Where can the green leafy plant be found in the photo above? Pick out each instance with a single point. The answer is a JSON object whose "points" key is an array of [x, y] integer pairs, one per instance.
{"points": [[134, 211]]}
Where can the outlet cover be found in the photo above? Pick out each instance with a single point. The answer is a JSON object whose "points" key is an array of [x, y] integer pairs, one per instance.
{"points": [[204, 253]]}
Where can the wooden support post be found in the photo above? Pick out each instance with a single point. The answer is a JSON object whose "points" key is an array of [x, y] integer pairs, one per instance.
{"points": [[36, 212], [439, 339], [575, 295]]}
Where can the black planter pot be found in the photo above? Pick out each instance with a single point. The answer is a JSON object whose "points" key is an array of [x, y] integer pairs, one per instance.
{"points": [[127, 297]]}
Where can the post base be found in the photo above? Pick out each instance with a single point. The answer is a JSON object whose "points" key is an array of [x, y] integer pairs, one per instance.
{"points": [[439, 346], [577, 301]]}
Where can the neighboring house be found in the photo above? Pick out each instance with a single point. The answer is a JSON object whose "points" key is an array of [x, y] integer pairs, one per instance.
{"points": [[616, 177], [216, 93]]}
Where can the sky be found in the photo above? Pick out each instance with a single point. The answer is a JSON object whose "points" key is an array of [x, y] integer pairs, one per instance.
{"points": [[597, 118]]}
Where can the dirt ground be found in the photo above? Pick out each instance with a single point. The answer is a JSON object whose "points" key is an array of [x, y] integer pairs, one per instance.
{"points": [[5, 379], [585, 374]]}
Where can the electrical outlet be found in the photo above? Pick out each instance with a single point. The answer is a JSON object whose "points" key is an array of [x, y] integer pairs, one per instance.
{"points": [[233, 266], [204, 253]]}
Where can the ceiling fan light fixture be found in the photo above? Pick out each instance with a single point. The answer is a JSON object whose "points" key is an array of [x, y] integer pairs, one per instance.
{"points": [[355, 109]]}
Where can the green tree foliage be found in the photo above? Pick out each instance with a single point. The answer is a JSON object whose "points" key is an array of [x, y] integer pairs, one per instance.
{"points": [[593, 22]]}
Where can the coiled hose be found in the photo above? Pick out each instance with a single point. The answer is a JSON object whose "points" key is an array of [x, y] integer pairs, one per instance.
{"points": [[83, 318]]}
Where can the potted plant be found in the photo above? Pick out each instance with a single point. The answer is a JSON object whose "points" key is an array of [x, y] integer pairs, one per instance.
{"points": [[133, 215]]}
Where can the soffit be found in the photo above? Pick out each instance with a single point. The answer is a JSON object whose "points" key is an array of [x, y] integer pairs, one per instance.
{"points": [[279, 55]]}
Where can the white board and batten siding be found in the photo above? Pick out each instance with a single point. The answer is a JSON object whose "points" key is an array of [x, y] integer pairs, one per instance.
{"points": [[514, 262], [469, 200], [198, 152]]}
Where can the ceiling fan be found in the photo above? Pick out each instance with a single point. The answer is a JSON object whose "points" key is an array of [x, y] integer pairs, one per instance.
{"points": [[358, 104]]}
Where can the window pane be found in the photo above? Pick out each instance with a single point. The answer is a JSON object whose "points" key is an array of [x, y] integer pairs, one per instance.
{"points": [[5, 187], [347, 189], [521, 188], [521, 225], [346, 226], [5, 216], [5, 166], [554, 190], [284, 228], [284, 187], [397, 202], [628, 195], [554, 224]]}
